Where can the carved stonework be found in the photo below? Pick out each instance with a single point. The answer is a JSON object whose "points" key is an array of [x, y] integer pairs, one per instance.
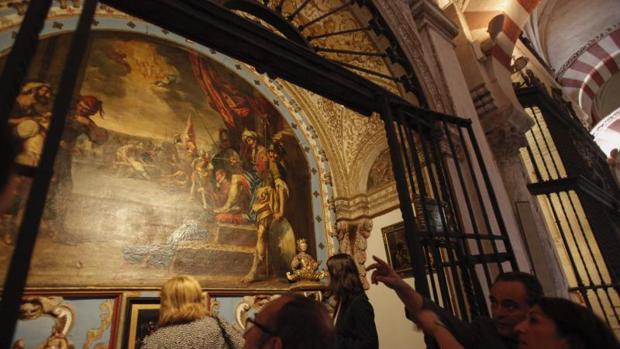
{"points": [[250, 305], [336, 22], [352, 238], [348, 133], [63, 315], [381, 172], [505, 130], [400, 20], [483, 100], [461, 4]]}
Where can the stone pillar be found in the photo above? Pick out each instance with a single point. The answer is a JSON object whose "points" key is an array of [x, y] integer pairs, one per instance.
{"points": [[499, 122], [436, 32]]}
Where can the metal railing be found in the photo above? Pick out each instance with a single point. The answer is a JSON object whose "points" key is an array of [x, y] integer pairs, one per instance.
{"points": [[579, 199]]}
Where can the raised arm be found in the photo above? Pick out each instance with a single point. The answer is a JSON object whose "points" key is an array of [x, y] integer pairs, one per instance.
{"points": [[383, 273], [431, 325], [448, 330]]}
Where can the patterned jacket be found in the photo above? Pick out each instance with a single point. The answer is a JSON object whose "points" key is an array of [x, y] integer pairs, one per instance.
{"points": [[200, 334]]}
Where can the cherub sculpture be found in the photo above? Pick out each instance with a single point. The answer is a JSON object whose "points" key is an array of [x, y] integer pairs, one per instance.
{"points": [[303, 266]]}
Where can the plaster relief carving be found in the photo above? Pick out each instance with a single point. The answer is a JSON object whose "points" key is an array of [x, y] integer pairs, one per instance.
{"points": [[381, 172], [505, 130], [353, 237], [340, 21], [400, 20], [34, 307], [250, 305]]}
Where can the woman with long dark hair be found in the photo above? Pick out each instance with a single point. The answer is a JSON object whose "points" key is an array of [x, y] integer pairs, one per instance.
{"points": [[354, 317], [556, 323]]}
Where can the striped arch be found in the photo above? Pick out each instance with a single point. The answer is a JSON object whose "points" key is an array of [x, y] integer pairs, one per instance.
{"points": [[479, 13], [590, 70]]}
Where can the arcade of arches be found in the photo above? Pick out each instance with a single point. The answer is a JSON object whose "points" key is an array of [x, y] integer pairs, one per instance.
{"points": [[164, 175]]}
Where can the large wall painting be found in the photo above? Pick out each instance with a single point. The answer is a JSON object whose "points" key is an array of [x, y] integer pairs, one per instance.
{"points": [[170, 163]]}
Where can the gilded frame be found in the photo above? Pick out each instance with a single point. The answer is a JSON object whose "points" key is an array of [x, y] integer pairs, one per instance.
{"points": [[68, 297], [141, 319], [396, 249]]}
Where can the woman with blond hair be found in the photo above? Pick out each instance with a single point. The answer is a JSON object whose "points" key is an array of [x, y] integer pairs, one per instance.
{"points": [[184, 321]]}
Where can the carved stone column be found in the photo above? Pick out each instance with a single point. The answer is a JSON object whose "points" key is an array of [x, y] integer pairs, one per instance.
{"points": [[441, 37], [352, 238]]}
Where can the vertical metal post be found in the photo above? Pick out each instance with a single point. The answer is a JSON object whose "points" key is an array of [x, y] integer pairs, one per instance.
{"points": [[412, 235], [23, 50], [20, 262], [432, 242], [493, 198]]}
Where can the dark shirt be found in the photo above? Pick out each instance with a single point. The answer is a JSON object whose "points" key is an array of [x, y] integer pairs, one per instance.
{"points": [[479, 333], [355, 325]]}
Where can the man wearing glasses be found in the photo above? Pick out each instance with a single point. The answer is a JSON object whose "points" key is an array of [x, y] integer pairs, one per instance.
{"points": [[290, 322]]}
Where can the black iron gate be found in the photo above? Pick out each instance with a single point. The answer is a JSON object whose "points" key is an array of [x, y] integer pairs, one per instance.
{"points": [[580, 200], [457, 235], [455, 230]]}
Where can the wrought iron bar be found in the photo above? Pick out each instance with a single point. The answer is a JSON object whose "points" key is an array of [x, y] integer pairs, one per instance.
{"points": [[596, 265], [437, 165], [483, 210], [555, 166], [556, 217], [279, 6], [412, 235], [579, 252], [533, 162], [20, 261], [368, 71], [294, 14], [349, 52], [348, 31], [430, 229], [325, 15], [493, 198], [481, 200], [477, 236], [459, 250]]}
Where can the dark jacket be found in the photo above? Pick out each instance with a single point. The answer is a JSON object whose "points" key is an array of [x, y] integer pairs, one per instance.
{"points": [[479, 333], [356, 325]]}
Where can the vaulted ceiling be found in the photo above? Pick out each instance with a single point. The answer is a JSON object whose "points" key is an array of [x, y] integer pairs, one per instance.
{"points": [[580, 41]]}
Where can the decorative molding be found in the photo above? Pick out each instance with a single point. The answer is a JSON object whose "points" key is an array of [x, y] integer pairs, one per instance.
{"points": [[483, 100], [353, 237], [400, 20], [427, 13], [505, 130], [605, 123], [575, 56], [250, 305]]}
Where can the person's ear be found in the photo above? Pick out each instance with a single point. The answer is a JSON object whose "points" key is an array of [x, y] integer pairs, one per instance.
{"points": [[274, 343]]}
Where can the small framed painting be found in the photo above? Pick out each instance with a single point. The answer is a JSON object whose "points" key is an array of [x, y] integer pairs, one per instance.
{"points": [[141, 319], [396, 249]]}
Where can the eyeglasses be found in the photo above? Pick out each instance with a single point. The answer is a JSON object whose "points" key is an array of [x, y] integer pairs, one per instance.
{"points": [[250, 322]]}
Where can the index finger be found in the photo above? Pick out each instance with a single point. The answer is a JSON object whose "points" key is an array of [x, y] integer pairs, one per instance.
{"points": [[372, 266], [379, 260]]}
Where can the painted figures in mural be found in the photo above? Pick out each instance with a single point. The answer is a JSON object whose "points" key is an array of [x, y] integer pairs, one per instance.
{"points": [[30, 120], [204, 189]]}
